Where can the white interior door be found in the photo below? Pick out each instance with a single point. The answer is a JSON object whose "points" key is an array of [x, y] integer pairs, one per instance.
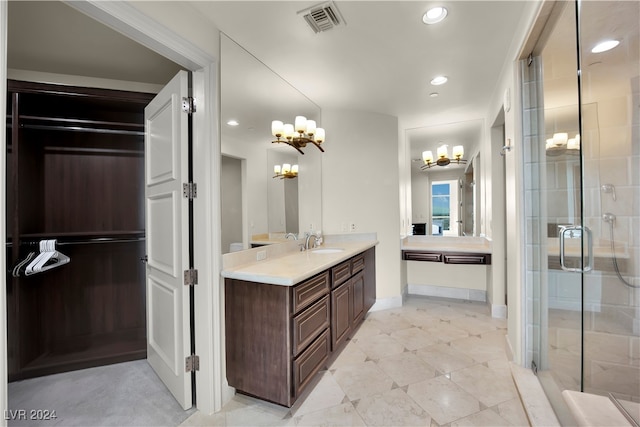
{"points": [[167, 231]]}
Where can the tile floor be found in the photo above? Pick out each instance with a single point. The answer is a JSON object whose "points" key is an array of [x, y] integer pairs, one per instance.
{"points": [[432, 362]]}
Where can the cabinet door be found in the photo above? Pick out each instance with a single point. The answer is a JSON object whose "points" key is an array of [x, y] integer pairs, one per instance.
{"points": [[341, 309], [357, 284]]}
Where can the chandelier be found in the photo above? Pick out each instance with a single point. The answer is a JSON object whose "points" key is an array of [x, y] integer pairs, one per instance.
{"points": [[443, 158], [561, 144], [286, 171], [300, 134]]}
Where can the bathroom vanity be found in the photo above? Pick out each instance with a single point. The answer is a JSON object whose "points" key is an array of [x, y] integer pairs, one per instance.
{"points": [[447, 266], [287, 315]]}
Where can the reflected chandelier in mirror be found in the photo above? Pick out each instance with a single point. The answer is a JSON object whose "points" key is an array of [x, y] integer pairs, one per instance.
{"points": [[306, 130]]}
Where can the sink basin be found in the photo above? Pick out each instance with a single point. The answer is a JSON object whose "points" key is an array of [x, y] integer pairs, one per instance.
{"points": [[327, 250]]}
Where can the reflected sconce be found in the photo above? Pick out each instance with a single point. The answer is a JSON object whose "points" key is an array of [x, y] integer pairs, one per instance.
{"points": [[443, 157], [298, 135], [561, 144], [285, 171]]}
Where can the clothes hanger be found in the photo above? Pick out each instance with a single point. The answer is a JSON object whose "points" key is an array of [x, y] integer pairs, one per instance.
{"points": [[48, 253]]}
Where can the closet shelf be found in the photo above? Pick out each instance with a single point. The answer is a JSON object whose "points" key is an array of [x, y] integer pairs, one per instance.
{"points": [[80, 125]]}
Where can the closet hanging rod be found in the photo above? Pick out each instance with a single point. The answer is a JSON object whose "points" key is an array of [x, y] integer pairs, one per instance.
{"points": [[81, 121], [83, 129], [84, 241]]}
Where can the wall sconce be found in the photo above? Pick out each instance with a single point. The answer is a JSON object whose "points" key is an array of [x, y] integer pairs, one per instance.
{"points": [[286, 171], [506, 148], [443, 158], [306, 131]]}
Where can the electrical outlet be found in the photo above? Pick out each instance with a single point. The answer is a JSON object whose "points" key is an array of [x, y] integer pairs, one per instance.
{"points": [[352, 227], [344, 227], [261, 255], [311, 227]]}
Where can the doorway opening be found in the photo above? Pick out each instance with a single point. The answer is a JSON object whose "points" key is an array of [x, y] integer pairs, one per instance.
{"points": [[76, 73]]}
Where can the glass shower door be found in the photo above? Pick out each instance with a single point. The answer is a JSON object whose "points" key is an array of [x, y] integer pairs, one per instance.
{"points": [[582, 176], [557, 240], [610, 81]]}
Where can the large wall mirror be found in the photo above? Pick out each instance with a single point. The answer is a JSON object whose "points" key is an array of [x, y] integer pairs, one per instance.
{"points": [[256, 206], [445, 200]]}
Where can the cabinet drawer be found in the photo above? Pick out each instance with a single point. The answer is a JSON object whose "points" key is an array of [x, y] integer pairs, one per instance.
{"points": [[467, 259], [357, 263], [340, 274], [309, 324], [422, 256], [309, 291], [310, 362]]}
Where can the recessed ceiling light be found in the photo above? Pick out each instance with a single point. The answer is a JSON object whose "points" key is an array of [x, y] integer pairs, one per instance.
{"points": [[605, 46], [233, 123], [434, 15], [439, 80], [433, 94]]}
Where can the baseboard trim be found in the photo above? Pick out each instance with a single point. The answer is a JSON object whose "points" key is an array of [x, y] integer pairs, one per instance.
{"points": [[499, 311], [446, 292]]}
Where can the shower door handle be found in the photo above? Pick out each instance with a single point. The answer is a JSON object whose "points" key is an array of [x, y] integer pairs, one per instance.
{"points": [[577, 231]]}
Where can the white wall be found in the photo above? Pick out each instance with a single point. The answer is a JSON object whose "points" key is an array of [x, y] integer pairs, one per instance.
{"points": [[254, 176], [231, 201], [360, 185]]}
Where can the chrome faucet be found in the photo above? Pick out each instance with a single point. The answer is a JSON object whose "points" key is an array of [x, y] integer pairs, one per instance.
{"points": [[316, 240], [286, 236]]}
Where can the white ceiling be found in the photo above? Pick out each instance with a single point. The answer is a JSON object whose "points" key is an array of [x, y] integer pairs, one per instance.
{"points": [[52, 37], [381, 61]]}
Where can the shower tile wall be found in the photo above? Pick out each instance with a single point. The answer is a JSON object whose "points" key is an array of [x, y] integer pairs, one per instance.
{"points": [[612, 310], [535, 216]]}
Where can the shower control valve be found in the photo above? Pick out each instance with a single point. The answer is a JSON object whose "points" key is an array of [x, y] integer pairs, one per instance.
{"points": [[608, 217]]}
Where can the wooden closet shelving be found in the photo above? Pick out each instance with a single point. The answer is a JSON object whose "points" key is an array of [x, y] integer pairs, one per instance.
{"points": [[75, 173]]}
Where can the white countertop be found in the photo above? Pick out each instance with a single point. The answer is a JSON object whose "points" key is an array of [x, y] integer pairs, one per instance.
{"points": [[292, 267], [446, 244]]}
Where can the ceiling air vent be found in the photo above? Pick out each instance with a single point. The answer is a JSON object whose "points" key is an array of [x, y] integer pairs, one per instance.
{"points": [[322, 17]]}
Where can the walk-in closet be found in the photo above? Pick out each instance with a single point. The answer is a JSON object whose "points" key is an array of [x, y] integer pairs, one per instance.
{"points": [[75, 164]]}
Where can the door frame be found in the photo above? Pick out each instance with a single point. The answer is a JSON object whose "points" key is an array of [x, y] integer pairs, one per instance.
{"points": [[211, 388]]}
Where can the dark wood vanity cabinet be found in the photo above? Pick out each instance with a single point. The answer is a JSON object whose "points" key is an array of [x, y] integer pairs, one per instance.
{"points": [[278, 337], [347, 298]]}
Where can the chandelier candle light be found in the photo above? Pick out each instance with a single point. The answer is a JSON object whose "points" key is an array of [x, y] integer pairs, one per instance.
{"points": [[443, 158], [286, 171], [560, 143], [300, 134]]}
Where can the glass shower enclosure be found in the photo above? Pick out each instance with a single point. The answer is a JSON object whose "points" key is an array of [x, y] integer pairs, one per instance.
{"points": [[581, 124]]}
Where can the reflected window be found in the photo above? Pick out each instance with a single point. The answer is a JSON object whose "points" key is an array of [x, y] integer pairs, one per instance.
{"points": [[440, 207], [444, 208]]}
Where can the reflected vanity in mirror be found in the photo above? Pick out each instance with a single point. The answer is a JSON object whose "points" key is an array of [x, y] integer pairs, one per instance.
{"points": [[256, 207], [445, 173]]}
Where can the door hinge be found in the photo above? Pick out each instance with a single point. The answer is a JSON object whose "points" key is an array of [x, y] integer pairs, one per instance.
{"points": [[190, 277], [190, 190], [192, 363], [188, 105]]}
